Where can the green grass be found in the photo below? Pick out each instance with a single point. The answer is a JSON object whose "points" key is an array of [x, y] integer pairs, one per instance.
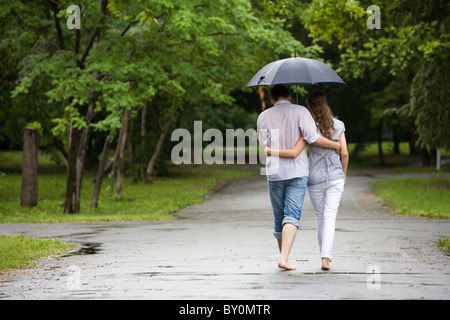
{"points": [[421, 197], [444, 244], [18, 252], [183, 186], [403, 162], [11, 162]]}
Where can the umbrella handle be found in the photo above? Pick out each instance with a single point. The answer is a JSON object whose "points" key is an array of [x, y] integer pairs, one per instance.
{"points": [[261, 79]]}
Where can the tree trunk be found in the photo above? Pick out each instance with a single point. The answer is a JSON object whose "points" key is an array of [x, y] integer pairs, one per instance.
{"points": [[396, 139], [143, 132], [162, 138], [83, 146], [426, 158], [380, 144], [81, 157], [76, 159], [100, 172], [122, 142], [412, 137], [71, 185], [433, 156], [29, 193], [130, 146], [151, 165], [114, 163], [76, 156]]}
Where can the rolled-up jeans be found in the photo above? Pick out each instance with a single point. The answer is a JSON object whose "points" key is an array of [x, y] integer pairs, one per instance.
{"points": [[286, 197], [325, 198]]}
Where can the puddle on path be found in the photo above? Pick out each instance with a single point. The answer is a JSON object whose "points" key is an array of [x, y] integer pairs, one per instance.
{"points": [[89, 248], [86, 248]]}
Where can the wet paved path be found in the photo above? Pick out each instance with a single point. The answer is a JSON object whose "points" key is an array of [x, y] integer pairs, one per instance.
{"points": [[224, 249]]}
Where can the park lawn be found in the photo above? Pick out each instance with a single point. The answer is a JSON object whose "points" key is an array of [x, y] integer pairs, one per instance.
{"points": [[421, 197], [17, 252], [403, 162], [183, 186]]}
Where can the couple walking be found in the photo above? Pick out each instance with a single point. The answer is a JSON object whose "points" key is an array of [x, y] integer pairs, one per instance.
{"points": [[284, 131]]}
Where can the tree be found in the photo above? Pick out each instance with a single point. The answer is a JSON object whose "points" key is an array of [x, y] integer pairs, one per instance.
{"points": [[165, 55], [76, 81], [29, 193], [411, 45]]}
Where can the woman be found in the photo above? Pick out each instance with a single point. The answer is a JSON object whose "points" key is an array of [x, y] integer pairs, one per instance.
{"points": [[327, 173]]}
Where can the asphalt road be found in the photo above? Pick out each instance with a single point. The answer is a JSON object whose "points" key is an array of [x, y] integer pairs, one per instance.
{"points": [[224, 249]]}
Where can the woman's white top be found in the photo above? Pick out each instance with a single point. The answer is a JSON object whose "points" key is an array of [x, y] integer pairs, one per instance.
{"points": [[325, 164]]}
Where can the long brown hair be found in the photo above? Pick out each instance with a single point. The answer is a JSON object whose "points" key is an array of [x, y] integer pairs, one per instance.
{"points": [[321, 113]]}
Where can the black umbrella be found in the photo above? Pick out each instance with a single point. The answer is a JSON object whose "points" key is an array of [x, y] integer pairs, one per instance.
{"points": [[295, 71]]}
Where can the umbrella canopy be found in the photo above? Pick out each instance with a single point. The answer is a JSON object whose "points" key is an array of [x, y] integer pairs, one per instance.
{"points": [[295, 71]]}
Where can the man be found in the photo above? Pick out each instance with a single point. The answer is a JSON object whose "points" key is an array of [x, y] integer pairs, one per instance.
{"points": [[280, 127]]}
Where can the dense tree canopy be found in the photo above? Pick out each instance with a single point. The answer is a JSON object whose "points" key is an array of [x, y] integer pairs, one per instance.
{"points": [[136, 69], [404, 63]]}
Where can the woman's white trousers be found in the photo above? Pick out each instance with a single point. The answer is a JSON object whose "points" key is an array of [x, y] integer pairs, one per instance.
{"points": [[325, 198]]}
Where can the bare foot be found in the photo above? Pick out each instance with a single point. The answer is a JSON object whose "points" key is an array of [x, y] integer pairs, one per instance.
{"points": [[285, 265], [325, 264]]}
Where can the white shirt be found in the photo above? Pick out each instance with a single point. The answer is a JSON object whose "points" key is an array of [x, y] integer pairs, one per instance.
{"points": [[280, 127], [325, 164]]}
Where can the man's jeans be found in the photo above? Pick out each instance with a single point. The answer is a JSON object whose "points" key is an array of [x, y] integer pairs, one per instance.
{"points": [[287, 198]]}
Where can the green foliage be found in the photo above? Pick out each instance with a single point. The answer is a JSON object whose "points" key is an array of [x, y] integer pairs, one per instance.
{"points": [[177, 56], [116, 7], [330, 19], [411, 44], [429, 104], [36, 126], [176, 49]]}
